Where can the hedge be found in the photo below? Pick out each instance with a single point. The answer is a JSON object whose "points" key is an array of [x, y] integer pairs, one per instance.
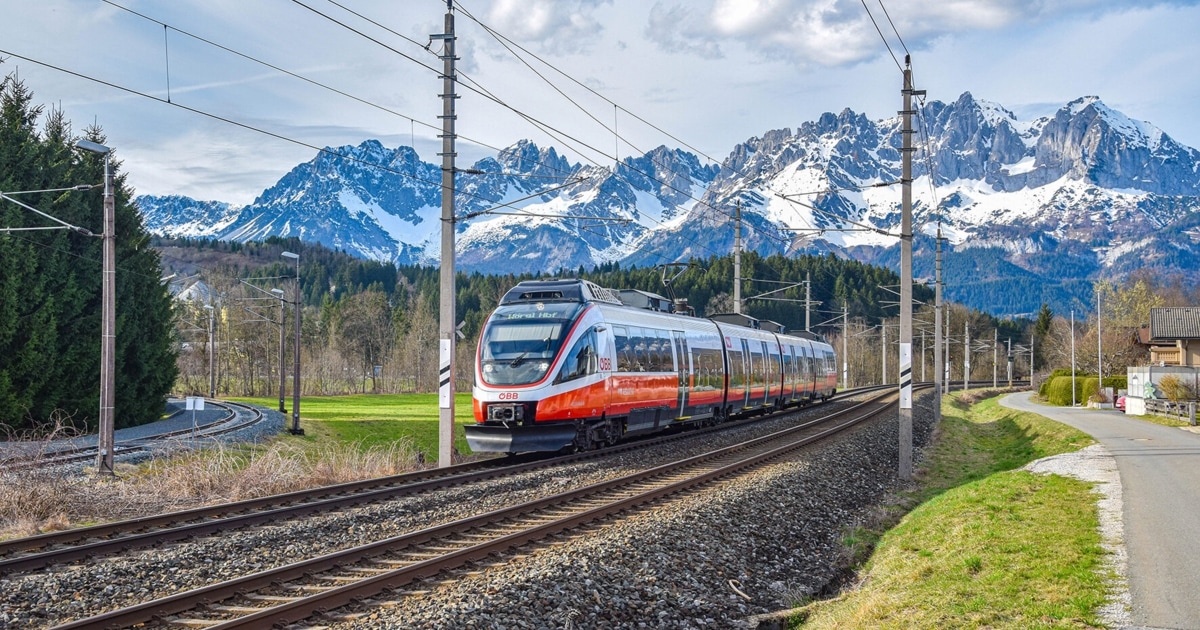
{"points": [[1058, 389]]}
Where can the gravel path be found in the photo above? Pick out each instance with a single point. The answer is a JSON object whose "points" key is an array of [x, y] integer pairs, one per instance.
{"points": [[774, 536]]}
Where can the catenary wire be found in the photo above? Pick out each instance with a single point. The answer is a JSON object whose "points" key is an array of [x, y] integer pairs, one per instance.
{"points": [[308, 80], [242, 125], [893, 25], [880, 31]]}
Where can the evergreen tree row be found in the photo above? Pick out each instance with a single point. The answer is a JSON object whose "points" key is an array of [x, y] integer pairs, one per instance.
{"points": [[50, 281]]}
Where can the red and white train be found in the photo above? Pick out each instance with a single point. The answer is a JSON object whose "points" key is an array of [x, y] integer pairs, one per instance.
{"points": [[567, 364]]}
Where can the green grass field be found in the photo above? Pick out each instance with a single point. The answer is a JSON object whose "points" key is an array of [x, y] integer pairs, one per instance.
{"points": [[376, 419], [986, 546]]}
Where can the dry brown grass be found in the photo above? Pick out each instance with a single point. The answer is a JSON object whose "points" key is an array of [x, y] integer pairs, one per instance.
{"points": [[36, 500]]}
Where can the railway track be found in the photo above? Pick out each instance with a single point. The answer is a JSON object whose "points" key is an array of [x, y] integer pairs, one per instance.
{"points": [[238, 416], [294, 592], [37, 552]]}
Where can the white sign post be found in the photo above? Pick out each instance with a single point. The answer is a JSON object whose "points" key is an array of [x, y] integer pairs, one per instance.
{"points": [[194, 404]]}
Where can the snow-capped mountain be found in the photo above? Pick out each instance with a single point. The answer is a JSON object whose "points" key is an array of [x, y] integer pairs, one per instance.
{"points": [[1087, 191]]}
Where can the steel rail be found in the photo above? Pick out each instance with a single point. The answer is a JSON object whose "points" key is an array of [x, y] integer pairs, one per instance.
{"points": [[86, 453], [119, 536], [711, 465]]}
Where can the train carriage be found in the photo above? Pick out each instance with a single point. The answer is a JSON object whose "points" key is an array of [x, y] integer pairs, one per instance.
{"points": [[566, 364]]}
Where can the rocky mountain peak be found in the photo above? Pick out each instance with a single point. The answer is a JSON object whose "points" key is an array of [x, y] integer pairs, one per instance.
{"points": [[1085, 190]]}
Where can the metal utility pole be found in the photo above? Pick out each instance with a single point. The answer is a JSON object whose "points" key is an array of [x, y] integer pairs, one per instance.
{"points": [[1032, 337], [938, 380], [883, 333], [923, 379], [807, 300], [1099, 347], [906, 238], [282, 371], [108, 313], [295, 430], [966, 354], [108, 348], [212, 351], [947, 368], [1010, 362], [995, 351], [446, 363], [845, 351], [1072, 357], [737, 259]]}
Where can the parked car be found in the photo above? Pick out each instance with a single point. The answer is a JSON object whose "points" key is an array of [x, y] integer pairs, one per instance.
{"points": [[1120, 404]]}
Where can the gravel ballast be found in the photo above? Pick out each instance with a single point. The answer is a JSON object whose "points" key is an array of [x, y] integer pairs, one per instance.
{"points": [[760, 542]]}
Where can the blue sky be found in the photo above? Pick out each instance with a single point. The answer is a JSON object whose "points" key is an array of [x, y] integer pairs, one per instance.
{"points": [[711, 73]]}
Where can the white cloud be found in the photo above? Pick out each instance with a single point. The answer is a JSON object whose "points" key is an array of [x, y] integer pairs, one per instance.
{"points": [[561, 26], [840, 32]]}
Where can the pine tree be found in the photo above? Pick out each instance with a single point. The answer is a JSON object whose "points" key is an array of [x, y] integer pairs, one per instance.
{"points": [[50, 282]]}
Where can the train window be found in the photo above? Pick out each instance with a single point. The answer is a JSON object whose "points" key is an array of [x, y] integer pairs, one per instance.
{"points": [[737, 370], [709, 361], [666, 355], [624, 346], [638, 340], [518, 351], [757, 369], [581, 360], [654, 354]]}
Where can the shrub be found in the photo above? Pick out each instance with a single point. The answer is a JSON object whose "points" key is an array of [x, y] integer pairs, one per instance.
{"points": [[1058, 390], [1089, 387], [1175, 389]]}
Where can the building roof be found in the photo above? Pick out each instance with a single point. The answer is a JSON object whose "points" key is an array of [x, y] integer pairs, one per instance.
{"points": [[1180, 322]]}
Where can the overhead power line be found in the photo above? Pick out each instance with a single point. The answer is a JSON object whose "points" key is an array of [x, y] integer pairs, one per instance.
{"points": [[881, 36], [301, 77], [241, 125]]}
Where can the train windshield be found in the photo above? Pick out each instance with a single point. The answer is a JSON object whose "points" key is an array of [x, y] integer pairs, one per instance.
{"points": [[520, 341]]}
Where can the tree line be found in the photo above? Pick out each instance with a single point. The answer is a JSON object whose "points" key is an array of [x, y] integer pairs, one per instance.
{"points": [[50, 280], [368, 326]]}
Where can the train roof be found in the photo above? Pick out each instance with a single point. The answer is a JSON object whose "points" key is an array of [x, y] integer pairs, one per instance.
{"points": [[579, 290], [559, 291]]}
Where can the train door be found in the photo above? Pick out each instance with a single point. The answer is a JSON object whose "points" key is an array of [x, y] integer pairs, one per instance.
{"points": [[683, 367], [748, 367], [808, 371], [735, 393], [777, 363], [789, 373]]}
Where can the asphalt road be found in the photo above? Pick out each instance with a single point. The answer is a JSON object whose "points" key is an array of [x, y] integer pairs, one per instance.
{"points": [[1159, 469]]}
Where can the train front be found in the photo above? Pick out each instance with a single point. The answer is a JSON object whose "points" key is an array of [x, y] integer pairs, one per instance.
{"points": [[517, 349]]}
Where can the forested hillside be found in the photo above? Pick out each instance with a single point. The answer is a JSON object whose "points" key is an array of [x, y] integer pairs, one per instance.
{"points": [[370, 326]]}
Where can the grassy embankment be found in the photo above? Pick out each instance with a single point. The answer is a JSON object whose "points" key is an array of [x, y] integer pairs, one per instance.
{"points": [[986, 545], [345, 438], [376, 420]]}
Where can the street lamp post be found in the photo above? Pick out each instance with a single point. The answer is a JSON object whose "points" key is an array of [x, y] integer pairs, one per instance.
{"points": [[212, 351], [282, 372], [104, 457], [296, 430]]}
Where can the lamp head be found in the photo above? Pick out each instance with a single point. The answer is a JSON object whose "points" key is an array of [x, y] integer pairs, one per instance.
{"points": [[94, 147], [290, 255]]}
